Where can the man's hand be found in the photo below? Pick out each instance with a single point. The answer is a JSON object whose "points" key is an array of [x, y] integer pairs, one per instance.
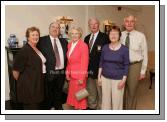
{"points": [[142, 77]]}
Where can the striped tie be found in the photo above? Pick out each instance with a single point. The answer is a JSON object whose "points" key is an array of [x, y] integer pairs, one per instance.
{"points": [[56, 54], [91, 42]]}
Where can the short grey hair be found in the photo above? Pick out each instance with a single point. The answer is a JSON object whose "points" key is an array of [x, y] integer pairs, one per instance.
{"points": [[93, 18], [58, 23], [130, 15]]}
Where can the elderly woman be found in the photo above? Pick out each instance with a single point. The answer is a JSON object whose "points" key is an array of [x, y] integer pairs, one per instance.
{"points": [[28, 70], [77, 66], [113, 70]]}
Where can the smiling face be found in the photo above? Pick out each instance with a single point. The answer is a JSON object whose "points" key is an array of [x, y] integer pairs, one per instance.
{"points": [[114, 36], [129, 23], [75, 35], [54, 29], [33, 37], [94, 25]]}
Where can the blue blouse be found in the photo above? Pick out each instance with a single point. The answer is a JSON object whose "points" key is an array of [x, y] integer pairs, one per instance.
{"points": [[114, 64]]}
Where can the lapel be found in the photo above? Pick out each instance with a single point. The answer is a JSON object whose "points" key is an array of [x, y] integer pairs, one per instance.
{"points": [[69, 46], [36, 58], [50, 47], [51, 50], [75, 48], [87, 39], [63, 47], [96, 42]]}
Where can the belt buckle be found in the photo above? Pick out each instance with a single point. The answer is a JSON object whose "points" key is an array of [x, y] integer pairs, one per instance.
{"points": [[134, 62]]}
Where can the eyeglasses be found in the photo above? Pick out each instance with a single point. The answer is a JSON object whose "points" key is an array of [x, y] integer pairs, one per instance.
{"points": [[53, 27]]}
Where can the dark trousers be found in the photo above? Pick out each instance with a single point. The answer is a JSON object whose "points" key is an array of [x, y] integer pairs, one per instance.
{"points": [[54, 90], [33, 106]]}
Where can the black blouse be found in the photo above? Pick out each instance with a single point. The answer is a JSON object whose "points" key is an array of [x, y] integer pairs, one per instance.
{"points": [[30, 85]]}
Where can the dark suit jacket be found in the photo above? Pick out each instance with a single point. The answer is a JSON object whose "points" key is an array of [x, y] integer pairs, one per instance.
{"points": [[94, 56], [45, 46], [30, 85]]}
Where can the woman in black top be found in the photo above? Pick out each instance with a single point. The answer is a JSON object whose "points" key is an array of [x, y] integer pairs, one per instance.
{"points": [[28, 69]]}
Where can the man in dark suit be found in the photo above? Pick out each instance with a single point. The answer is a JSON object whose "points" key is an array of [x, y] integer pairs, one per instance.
{"points": [[95, 40], [54, 49]]}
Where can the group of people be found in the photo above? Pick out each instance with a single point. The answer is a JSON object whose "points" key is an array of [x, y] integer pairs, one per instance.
{"points": [[108, 66]]}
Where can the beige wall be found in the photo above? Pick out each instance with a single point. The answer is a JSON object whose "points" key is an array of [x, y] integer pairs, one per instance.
{"points": [[146, 20], [18, 18]]}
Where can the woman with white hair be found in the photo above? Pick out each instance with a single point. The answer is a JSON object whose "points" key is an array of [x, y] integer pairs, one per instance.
{"points": [[77, 66]]}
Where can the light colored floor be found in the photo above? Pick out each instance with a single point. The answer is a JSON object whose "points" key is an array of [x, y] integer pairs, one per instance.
{"points": [[146, 96]]}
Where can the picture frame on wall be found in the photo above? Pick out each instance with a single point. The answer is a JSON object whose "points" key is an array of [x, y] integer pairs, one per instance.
{"points": [[107, 29]]}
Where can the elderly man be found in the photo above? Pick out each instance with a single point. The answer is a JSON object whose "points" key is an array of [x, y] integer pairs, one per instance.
{"points": [[54, 49], [95, 40], [136, 42]]}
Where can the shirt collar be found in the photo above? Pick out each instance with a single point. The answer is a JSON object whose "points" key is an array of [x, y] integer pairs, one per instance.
{"points": [[130, 31], [51, 37], [74, 43], [95, 34]]}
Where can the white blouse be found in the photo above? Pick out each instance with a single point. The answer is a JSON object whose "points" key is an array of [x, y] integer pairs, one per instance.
{"points": [[72, 47], [43, 61]]}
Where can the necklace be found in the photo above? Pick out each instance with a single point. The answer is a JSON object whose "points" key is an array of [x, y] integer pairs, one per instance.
{"points": [[115, 46]]}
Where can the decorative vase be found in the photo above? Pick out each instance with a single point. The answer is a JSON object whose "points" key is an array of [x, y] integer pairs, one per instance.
{"points": [[12, 41]]}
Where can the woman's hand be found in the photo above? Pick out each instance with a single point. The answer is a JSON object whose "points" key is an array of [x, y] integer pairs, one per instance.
{"points": [[68, 78], [80, 82], [16, 74], [121, 84], [99, 81]]}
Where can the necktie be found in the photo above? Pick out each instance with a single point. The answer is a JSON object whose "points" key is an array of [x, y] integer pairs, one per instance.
{"points": [[91, 42], [56, 54], [127, 41]]}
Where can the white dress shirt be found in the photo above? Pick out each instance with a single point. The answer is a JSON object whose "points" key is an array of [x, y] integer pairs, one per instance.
{"points": [[137, 48], [72, 47], [61, 54], [95, 36]]}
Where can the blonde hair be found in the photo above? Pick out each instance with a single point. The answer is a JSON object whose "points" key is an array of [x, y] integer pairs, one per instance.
{"points": [[79, 29]]}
